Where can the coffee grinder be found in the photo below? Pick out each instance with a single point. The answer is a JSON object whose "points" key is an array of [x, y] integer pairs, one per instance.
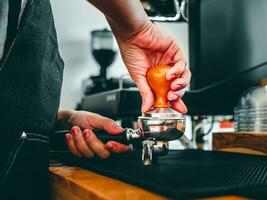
{"points": [[104, 52]]}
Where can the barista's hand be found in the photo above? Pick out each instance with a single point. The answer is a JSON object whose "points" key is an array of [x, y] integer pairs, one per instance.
{"points": [[83, 142], [147, 47]]}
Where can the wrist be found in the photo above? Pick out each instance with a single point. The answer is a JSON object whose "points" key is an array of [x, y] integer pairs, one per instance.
{"points": [[141, 30], [126, 34], [64, 116]]}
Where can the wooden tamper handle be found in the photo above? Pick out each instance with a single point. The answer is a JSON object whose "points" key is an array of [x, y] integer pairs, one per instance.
{"points": [[156, 77]]}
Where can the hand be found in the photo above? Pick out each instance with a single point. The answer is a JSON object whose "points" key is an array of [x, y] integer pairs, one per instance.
{"points": [[82, 141], [147, 47]]}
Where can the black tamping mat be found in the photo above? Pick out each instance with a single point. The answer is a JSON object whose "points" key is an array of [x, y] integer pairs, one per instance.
{"points": [[185, 173]]}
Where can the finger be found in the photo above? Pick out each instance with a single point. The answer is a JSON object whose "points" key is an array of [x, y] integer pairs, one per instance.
{"points": [[176, 70], [182, 81], [71, 145], [107, 124], [179, 106], [146, 93], [95, 144], [111, 126], [116, 147], [174, 95], [167, 57], [80, 142], [172, 54]]}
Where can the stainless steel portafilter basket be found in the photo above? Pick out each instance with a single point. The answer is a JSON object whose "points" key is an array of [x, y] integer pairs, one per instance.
{"points": [[159, 126]]}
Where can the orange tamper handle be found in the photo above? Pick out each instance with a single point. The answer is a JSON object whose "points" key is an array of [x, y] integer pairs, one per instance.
{"points": [[156, 77]]}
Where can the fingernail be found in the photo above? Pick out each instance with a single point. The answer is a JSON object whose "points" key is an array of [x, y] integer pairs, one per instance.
{"points": [[86, 133], [74, 130], [173, 97], [110, 146], [117, 127], [170, 77], [68, 136], [178, 87], [143, 107]]}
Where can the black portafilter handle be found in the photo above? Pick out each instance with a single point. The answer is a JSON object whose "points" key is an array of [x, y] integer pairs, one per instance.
{"points": [[105, 137], [57, 138]]}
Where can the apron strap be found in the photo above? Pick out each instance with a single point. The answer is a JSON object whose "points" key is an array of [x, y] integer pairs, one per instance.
{"points": [[13, 18]]}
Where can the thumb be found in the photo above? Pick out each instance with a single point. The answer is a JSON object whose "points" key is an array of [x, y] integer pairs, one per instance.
{"points": [[146, 93], [179, 106], [108, 125]]}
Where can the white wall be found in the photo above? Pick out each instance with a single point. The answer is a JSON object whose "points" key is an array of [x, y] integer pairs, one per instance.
{"points": [[74, 20]]}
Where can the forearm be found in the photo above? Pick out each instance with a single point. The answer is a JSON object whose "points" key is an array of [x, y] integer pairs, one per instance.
{"points": [[126, 16]]}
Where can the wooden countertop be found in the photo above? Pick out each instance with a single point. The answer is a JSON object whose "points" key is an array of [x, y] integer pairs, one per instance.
{"points": [[74, 183]]}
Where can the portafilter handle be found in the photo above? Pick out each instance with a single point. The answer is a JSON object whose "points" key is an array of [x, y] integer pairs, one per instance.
{"points": [[129, 136]]}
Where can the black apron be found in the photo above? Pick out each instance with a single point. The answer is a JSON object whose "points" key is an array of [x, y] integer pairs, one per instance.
{"points": [[30, 84]]}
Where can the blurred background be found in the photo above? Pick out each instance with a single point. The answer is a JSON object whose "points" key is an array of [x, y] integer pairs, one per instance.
{"points": [[224, 43]]}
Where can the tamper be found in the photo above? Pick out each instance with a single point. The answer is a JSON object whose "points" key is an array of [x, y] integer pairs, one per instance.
{"points": [[160, 124]]}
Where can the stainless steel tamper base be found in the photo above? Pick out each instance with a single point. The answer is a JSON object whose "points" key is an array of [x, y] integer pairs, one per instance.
{"points": [[162, 113]]}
